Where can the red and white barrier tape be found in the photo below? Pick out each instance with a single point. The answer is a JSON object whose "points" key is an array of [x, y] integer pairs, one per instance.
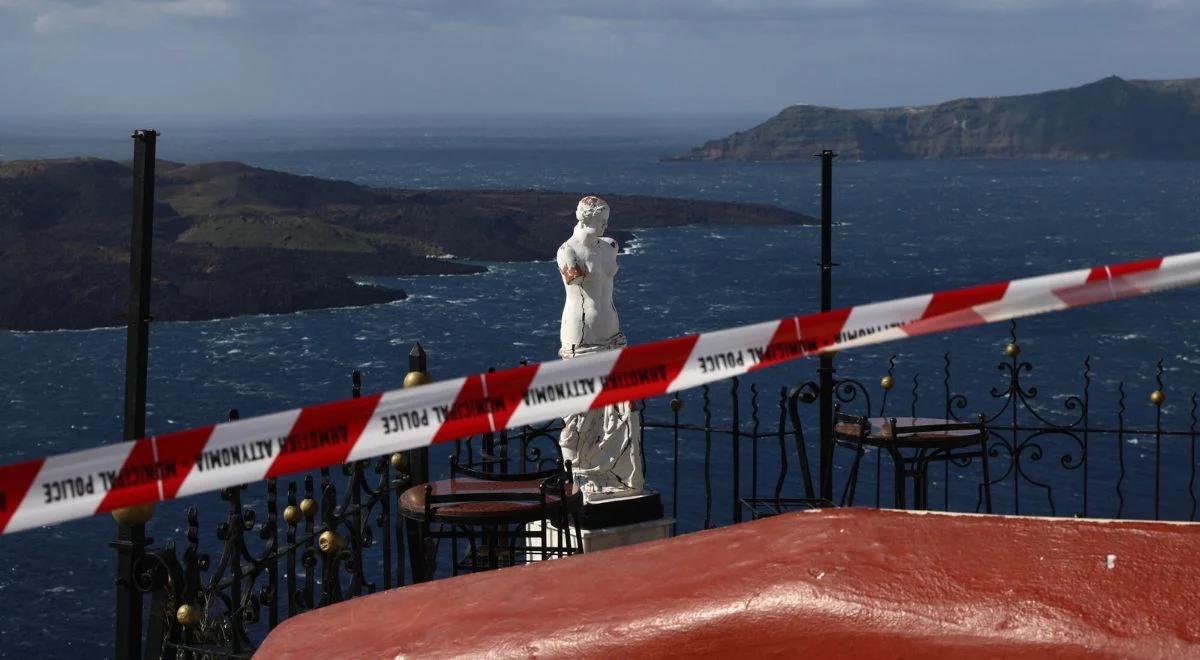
{"points": [[163, 467]]}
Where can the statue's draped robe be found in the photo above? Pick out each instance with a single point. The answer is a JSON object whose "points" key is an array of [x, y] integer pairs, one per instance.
{"points": [[604, 445]]}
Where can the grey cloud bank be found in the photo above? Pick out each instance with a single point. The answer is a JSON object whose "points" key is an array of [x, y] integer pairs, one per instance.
{"points": [[235, 57]]}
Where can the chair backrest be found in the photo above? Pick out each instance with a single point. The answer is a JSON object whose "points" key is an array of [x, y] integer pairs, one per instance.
{"points": [[849, 426], [458, 469], [793, 400], [979, 426], [527, 451]]}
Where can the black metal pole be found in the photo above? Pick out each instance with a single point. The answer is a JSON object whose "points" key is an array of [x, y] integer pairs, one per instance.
{"points": [[826, 369], [417, 461], [137, 336], [131, 532], [418, 363]]}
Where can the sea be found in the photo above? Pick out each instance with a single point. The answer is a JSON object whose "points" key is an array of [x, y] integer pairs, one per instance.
{"points": [[901, 228]]}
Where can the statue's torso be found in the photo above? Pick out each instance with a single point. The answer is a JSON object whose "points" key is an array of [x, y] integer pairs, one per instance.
{"points": [[589, 314]]}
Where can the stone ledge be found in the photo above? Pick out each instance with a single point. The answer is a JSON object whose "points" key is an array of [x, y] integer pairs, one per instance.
{"points": [[829, 583]]}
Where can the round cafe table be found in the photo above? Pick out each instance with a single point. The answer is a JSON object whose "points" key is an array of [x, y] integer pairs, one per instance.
{"points": [[490, 507], [929, 439], [467, 501]]}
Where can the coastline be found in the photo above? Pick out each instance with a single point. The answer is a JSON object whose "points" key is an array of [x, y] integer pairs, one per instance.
{"points": [[630, 243], [232, 240]]}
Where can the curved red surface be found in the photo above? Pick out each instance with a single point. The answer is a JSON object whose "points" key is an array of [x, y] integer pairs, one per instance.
{"points": [[837, 583]]}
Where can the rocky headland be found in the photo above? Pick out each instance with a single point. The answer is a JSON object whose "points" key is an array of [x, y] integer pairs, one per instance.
{"points": [[231, 239], [1110, 118]]}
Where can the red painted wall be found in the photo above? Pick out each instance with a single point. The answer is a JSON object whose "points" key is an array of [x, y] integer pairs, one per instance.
{"points": [[839, 583]]}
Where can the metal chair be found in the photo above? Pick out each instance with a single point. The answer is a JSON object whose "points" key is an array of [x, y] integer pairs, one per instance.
{"points": [[502, 517], [929, 439], [761, 507]]}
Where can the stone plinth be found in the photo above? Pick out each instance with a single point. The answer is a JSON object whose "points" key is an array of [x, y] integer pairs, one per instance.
{"points": [[612, 523], [607, 538]]}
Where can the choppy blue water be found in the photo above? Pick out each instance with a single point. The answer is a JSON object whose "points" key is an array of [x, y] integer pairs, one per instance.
{"points": [[904, 228]]}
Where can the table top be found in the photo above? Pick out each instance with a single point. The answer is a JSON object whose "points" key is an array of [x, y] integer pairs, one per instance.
{"points": [[412, 501], [881, 431]]}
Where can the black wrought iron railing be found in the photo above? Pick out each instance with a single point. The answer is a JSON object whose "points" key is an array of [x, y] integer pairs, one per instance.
{"points": [[719, 454], [276, 549], [1071, 454]]}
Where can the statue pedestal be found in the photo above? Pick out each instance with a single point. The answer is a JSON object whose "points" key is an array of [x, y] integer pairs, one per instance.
{"points": [[603, 510], [613, 523]]}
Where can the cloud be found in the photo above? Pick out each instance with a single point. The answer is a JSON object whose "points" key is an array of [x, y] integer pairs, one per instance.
{"points": [[509, 11], [64, 15]]}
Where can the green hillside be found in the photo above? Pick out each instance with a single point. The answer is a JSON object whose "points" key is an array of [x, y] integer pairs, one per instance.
{"points": [[1110, 118]]}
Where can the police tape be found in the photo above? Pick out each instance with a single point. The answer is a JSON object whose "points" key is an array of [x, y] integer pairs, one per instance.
{"points": [[163, 467]]}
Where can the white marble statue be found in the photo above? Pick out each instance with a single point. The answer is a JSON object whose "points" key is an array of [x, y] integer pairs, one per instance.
{"points": [[603, 445]]}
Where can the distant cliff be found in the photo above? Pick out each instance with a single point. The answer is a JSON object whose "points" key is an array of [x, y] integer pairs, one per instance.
{"points": [[1110, 118], [231, 239]]}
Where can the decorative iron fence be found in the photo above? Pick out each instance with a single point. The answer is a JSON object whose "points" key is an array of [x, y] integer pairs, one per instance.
{"points": [[295, 545], [719, 454], [1060, 456]]}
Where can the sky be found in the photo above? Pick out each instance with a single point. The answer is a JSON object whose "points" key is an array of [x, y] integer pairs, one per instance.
{"points": [[605, 57]]}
